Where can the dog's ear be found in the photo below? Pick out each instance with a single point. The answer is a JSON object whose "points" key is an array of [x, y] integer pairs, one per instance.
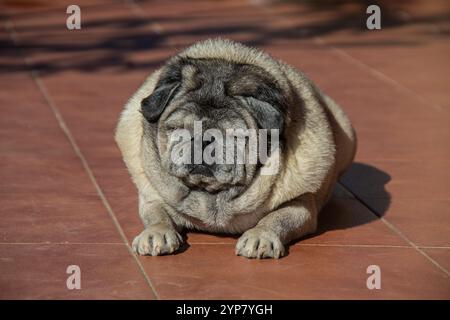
{"points": [[167, 87], [263, 96], [268, 114], [153, 106]]}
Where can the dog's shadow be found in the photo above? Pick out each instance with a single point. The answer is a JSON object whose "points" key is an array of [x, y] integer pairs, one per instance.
{"points": [[359, 198], [349, 206]]}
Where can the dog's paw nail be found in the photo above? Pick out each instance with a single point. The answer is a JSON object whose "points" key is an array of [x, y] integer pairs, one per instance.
{"points": [[260, 243], [157, 240]]}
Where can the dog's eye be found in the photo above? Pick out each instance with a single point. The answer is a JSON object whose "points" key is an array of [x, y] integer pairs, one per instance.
{"points": [[173, 125], [170, 128]]}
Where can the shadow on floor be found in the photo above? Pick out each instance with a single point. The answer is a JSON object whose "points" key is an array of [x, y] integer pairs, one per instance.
{"points": [[339, 214], [367, 184], [123, 36], [350, 210]]}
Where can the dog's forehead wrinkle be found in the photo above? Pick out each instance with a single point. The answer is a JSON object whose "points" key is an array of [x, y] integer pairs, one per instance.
{"points": [[221, 76], [216, 83]]}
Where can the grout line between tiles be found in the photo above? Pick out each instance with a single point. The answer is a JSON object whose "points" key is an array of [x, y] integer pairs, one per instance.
{"points": [[334, 245], [396, 230], [316, 245], [384, 159], [352, 245], [227, 243], [63, 243], [368, 246], [62, 124], [399, 233]]}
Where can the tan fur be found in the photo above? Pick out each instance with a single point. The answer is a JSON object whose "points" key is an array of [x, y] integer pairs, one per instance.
{"points": [[319, 148]]}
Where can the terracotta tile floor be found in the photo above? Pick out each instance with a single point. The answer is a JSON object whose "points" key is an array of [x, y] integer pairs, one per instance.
{"points": [[66, 197]]}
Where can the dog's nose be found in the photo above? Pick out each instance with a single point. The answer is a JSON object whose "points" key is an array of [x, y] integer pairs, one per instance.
{"points": [[202, 169]]}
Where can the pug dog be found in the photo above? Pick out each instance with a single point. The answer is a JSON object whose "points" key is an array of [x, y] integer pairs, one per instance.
{"points": [[220, 86]]}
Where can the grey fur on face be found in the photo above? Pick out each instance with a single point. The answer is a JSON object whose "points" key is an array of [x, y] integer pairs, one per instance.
{"points": [[225, 85], [221, 95]]}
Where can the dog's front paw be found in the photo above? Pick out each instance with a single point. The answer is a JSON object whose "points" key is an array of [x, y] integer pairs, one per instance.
{"points": [[260, 243], [157, 240]]}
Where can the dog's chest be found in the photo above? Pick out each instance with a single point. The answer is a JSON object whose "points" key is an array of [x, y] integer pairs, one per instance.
{"points": [[212, 213]]}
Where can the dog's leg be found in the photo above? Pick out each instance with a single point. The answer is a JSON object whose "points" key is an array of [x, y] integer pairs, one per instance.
{"points": [[160, 235], [268, 238]]}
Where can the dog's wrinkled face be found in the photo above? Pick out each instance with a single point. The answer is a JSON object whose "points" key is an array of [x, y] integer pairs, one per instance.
{"points": [[208, 114]]}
